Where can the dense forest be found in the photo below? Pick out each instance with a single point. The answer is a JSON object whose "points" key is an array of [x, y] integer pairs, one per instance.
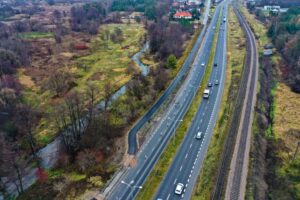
{"points": [[285, 34]]}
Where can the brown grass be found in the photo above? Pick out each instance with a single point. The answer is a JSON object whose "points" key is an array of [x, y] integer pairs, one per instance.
{"points": [[287, 114]]}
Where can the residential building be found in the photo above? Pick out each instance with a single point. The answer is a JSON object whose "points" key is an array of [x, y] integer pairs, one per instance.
{"points": [[182, 15]]}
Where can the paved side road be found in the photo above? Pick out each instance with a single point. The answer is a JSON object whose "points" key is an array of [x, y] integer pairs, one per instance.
{"points": [[237, 178]]}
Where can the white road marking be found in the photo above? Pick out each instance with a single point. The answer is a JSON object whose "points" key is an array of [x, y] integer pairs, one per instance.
{"points": [[186, 156], [175, 181], [168, 196], [180, 168]]}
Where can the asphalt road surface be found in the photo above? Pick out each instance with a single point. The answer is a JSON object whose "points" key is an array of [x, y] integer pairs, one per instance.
{"points": [[152, 149], [189, 159]]}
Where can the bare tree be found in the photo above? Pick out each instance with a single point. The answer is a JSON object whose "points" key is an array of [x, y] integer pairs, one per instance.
{"points": [[26, 119], [8, 98], [12, 163], [70, 120], [60, 81], [107, 94], [91, 92]]}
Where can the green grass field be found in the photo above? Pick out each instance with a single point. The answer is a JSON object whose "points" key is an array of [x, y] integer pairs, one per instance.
{"points": [[107, 62], [36, 35]]}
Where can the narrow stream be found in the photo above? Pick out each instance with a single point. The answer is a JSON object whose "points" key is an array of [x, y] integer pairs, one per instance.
{"points": [[49, 154], [144, 69]]}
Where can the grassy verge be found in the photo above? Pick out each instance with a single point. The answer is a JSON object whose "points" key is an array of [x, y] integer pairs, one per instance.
{"points": [[160, 169], [236, 53], [285, 111], [107, 62], [36, 35], [257, 27]]}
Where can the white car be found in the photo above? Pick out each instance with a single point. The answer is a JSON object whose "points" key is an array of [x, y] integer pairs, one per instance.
{"points": [[179, 188], [199, 135], [202, 64]]}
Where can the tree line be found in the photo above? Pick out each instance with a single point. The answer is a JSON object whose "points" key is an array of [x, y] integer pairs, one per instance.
{"points": [[285, 34]]}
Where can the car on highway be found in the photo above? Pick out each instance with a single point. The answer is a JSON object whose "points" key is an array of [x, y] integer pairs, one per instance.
{"points": [[216, 64], [179, 188], [199, 135], [216, 82], [214, 27], [209, 84], [203, 64], [206, 93]]}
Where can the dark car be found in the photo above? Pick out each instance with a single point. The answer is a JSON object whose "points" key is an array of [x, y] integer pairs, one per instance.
{"points": [[215, 64]]}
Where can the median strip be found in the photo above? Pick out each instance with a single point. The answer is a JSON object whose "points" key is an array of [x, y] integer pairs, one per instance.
{"points": [[161, 168]]}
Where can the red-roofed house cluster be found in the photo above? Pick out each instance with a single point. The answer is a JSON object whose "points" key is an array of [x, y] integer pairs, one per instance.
{"points": [[182, 15], [186, 9]]}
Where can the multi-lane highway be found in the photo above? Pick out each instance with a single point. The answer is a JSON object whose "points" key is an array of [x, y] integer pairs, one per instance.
{"points": [[128, 185], [189, 159]]}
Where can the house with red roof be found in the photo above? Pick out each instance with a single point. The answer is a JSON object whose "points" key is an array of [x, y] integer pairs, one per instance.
{"points": [[182, 15]]}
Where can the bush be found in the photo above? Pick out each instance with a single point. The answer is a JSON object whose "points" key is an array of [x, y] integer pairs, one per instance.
{"points": [[171, 62]]}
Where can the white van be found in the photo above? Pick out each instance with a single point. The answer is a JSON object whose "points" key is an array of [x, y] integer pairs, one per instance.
{"points": [[206, 93]]}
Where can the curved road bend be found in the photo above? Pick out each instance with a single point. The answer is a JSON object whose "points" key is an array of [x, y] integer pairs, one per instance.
{"points": [[236, 183], [189, 159], [152, 149]]}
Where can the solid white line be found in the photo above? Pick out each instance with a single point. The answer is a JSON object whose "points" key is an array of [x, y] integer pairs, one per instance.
{"points": [[168, 196]]}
